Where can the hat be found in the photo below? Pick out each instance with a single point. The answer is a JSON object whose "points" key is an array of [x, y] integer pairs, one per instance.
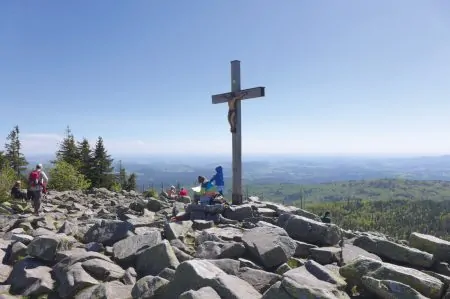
{"points": [[18, 182], [39, 166], [172, 187]]}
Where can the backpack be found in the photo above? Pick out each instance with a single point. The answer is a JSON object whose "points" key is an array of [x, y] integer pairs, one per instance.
{"points": [[33, 178]]}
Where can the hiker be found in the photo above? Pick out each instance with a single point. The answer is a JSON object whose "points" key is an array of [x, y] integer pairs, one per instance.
{"points": [[36, 184], [16, 191], [326, 218], [172, 192], [218, 179], [207, 191], [183, 192]]}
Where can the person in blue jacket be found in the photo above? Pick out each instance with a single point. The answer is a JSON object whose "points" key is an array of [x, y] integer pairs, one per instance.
{"points": [[218, 179]]}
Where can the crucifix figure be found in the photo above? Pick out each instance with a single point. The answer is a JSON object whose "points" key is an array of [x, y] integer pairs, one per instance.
{"points": [[233, 99]]}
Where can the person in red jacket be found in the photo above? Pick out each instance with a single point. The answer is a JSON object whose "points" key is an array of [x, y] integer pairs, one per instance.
{"points": [[183, 192]]}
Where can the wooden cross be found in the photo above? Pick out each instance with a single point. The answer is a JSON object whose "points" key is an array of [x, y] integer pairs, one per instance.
{"points": [[233, 99]]}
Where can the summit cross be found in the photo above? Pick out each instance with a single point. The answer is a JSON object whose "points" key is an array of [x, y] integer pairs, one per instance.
{"points": [[233, 99]]}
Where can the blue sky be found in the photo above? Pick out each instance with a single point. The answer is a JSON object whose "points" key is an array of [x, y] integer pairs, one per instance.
{"points": [[341, 76]]}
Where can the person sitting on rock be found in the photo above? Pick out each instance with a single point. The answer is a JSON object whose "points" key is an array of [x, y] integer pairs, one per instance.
{"points": [[217, 179], [208, 191], [16, 191], [326, 218], [183, 192], [172, 192]]}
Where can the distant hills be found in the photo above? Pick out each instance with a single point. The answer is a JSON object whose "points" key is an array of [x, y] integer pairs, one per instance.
{"points": [[283, 170]]}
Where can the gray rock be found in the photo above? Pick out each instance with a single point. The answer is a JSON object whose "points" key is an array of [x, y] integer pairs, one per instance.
{"points": [[167, 273], [228, 266], [68, 228], [395, 252], [126, 250], [108, 232], [45, 247], [310, 231], [130, 276], [149, 287], [390, 289], [438, 247], [103, 270], [181, 255], [272, 246], [326, 255], [70, 275], [16, 251], [30, 277], [176, 230], [259, 279], [153, 260], [427, 285], [196, 274], [203, 293], [220, 250], [351, 252], [303, 249], [108, 290], [238, 213], [202, 224]]}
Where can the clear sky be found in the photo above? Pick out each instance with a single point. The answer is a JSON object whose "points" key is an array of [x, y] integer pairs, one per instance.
{"points": [[341, 76]]}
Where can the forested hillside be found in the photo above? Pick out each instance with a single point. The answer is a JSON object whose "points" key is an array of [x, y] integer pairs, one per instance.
{"points": [[382, 189]]}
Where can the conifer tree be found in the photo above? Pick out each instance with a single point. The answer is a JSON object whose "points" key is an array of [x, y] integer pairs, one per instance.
{"points": [[85, 158], [14, 157], [3, 160], [122, 176], [131, 182], [68, 151], [102, 175]]}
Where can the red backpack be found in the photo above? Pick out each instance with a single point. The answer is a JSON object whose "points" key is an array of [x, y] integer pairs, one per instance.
{"points": [[33, 178]]}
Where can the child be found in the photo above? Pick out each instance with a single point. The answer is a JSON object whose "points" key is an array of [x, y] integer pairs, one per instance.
{"points": [[218, 179]]}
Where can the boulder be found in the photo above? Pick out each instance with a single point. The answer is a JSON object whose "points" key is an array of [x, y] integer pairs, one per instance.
{"points": [[153, 260], [220, 250], [125, 251], [176, 230], [108, 290], [326, 255], [259, 279], [45, 247], [203, 293], [149, 287], [425, 284], [196, 274], [438, 247], [269, 245], [29, 277], [239, 213], [108, 232], [395, 252], [385, 288], [310, 231]]}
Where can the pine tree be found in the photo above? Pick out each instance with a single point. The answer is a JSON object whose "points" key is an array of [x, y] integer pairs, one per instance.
{"points": [[122, 176], [3, 161], [85, 158], [68, 151], [15, 159], [102, 175], [131, 182]]}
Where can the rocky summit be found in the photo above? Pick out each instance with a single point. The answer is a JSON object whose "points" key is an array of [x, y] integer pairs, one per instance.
{"points": [[102, 244]]}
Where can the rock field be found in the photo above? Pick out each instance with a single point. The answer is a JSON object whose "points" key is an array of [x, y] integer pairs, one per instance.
{"points": [[119, 245]]}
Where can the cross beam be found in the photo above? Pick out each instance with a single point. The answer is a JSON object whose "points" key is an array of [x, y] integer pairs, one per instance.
{"points": [[233, 99]]}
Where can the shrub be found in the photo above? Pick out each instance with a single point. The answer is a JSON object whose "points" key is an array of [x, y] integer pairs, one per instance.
{"points": [[7, 179], [64, 176], [151, 193], [116, 187]]}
